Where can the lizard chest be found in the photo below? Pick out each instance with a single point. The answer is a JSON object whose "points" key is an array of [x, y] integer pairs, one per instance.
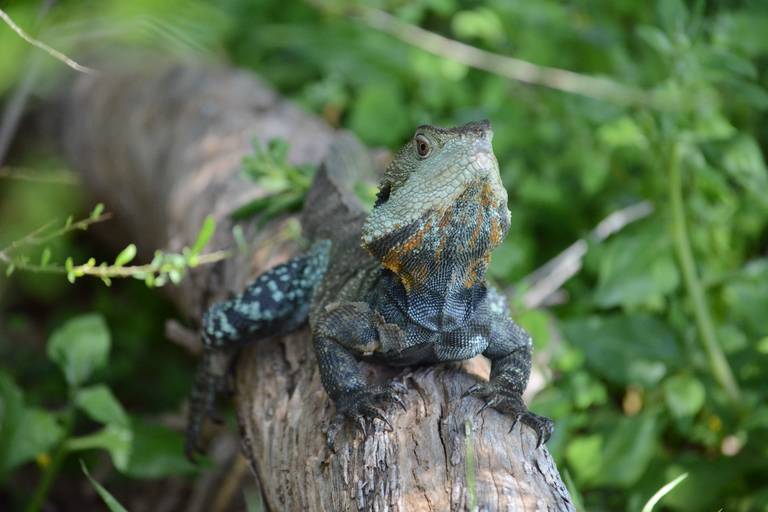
{"points": [[406, 339]]}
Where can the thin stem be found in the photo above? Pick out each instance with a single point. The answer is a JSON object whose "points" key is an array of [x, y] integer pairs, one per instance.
{"points": [[498, 64], [717, 361], [39, 44], [52, 471], [35, 238], [108, 271]]}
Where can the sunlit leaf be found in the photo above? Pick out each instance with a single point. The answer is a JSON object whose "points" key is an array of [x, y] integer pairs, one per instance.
{"points": [[37, 432], [205, 234], [684, 395], [627, 349], [101, 405], [80, 347], [629, 446], [115, 439], [112, 504], [126, 255], [156, 451]]}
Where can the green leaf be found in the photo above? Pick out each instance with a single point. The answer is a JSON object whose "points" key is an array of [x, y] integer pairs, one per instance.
{"points": [[100, 404], [684, 395], [156, 452], [744, 161], [708, 477], [45, 257], [637, 268], [655, 38], [378, 105], [629, 446], [37, 432], [278, 149], [538, 324], [658, 495], [112, 504], [80, 347], [11, 411], [626, 349], [9, 270], [585, 457], [673, 15], [480, 23], [115, 439], [746, 297], [205, 234], [622, 133], [97, 211], [125, 256], [237, 234]]}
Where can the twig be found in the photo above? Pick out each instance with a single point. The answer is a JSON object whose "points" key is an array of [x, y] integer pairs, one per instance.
{"points": [[18, 100], [107, 271], [39, 44], [547, 279], [18, 173], [502, 65], [34, 237], [183, 336], [15, 106], [230, 484], [718, 363]]}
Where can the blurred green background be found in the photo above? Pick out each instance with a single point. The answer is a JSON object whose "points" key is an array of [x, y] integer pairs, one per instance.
{"points": [[654, 355]]}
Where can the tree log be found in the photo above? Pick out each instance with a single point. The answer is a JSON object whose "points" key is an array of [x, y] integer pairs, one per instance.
{"points": [[162, 147]]}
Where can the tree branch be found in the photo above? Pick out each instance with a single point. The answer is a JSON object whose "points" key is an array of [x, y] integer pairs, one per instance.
{"points": [[162, 148]]}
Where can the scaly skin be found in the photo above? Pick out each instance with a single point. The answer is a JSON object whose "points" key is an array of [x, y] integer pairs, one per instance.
{"points": [[413, 293]]}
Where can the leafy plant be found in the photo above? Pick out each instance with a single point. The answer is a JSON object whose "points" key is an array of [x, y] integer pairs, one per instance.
{"points": [[80, 349], [164, 267], [285, 184], [656, 353]]}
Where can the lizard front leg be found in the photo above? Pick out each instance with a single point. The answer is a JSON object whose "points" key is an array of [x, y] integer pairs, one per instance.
{"points": [[275, 303], [509, 350], [343, 333]]}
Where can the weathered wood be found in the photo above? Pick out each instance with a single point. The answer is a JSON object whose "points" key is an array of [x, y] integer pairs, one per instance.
{"points": [[161, 146]]}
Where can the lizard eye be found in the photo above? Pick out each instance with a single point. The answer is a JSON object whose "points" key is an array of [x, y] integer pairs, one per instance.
{"points": [[422, 146]]}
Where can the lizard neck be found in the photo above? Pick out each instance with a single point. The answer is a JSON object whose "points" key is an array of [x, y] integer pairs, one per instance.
{"points": [[446, 252]]}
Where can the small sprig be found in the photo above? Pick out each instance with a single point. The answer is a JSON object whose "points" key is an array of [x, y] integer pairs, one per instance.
{"points": [[285, 183], [165, 267]]}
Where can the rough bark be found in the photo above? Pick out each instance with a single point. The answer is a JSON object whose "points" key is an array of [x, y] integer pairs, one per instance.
{"points": [[162, 147]]}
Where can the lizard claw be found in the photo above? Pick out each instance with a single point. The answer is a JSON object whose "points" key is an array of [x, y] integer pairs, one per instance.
{"points": [[475, 390], [363, 406], [361, 424], [486, 404], [375, 412], [399, 401], [511, 403]]}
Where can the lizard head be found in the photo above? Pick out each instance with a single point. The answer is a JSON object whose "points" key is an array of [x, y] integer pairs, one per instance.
{"points": [[441, 199]]}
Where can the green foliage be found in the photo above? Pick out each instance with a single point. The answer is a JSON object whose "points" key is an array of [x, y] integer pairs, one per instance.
{"points": [[112, 504], [662, 329], [165, 267], [79, 348], [286, 184]]}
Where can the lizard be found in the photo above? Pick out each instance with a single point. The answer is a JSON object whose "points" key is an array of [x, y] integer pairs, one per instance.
{"points": [[404, 285]]}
